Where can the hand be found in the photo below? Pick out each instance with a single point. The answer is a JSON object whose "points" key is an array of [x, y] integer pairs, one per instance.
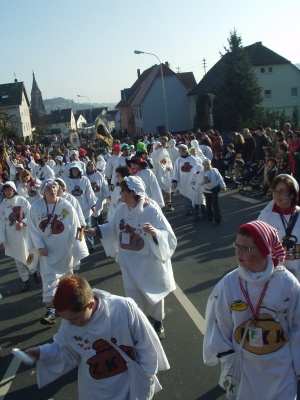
{"points": [[43, 252], [19, 225], [148, 228], [90, 232], [33, 352], [2, 246], [93, 209]]}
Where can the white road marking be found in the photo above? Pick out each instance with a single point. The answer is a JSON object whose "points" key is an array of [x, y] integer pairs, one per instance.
{"points": [[9, 377], [190, 309], [245, 198]]}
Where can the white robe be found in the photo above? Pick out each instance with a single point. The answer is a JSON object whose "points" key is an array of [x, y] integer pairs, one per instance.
{"points": [[182, 174], [143, 261], [110, 169], [63, 248], [76, 205], [41, 173], [152, 187], [102, 372], [100, 189], [30, 193], [162, 168], [273, 219], [82, 190], [268, 372], [17, 243]]}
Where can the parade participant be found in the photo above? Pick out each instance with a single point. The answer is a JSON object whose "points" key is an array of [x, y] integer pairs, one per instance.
{"points": [[40, 170], [283, 214], [100, 189], [49, 161], [125, 154], [101, 163], [162, 169], [181, 176], [139, 167], [62, 192], [80, 187], [97, 328], [53, 225], [173, 151], [252, 320], [74, 157], [28, 186], [115, 198], [111, 164], [59, 167], [143, 242], [14, 236], [211, 182], [196, 194]]}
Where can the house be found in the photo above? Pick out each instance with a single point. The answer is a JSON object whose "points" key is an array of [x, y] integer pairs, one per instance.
{"points": [[90, 115], [14, 103], [115, 122], [148, 106], [60, 121], [278, 77]]}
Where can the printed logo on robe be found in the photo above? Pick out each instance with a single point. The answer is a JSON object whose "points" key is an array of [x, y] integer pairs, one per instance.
{"points": [[130, 239], [16, 215], [57, 226], [273, 335], [239, 305], [107, 361], [186, 167], [77, 191], [64, 213], [95, 187], [163, 161], [32, 192]]}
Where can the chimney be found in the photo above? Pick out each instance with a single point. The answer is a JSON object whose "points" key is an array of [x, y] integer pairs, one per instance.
{"points": [[139, 73]]}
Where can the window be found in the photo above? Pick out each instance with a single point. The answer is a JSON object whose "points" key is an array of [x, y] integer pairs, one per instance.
{"points": [[140, 113], [268, 94], [5, 96], [270, 69], [294, 92], [262, 70]]}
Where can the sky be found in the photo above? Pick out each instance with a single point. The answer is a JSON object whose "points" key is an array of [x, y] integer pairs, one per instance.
{"points": [[87, 47]]}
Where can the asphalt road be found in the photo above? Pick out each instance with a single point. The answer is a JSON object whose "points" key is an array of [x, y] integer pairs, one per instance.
{"points": [[203, 256]]}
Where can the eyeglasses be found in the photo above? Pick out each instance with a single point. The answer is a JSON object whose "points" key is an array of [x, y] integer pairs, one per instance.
{"points": [[281, 191], [242, 248]]}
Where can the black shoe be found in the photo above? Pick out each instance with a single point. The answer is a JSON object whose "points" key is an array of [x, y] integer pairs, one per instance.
{"points": [[170, 208], [188, 213], [91, 250], [159, 329], [218, 221], [26, 285], [48, 319], [37, 277]]}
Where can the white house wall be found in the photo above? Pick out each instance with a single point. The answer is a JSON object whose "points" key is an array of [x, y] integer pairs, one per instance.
{"points": [[280, 81], [178, 106], [22, 121]]}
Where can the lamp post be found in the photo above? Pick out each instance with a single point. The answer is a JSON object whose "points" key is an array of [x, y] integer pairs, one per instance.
{"points": [[79, 95], [163, 86]]}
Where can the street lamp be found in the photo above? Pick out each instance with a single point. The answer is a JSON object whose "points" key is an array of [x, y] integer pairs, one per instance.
{"points": [[163, 85], [79, 95]]}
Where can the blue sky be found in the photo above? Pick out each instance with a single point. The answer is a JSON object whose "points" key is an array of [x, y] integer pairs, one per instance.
{"points": [[86, 47]]}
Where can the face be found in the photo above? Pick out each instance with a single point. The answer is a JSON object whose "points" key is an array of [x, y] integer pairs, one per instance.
{"points": [[77, 318], [126, 152], [26, 178], [126, 196], [248, 254], [75, 171], [281, 196], [182, 152], [90, 167], [9, 192], [60, 190], [50, 194], [119, 177], [206, 166]]}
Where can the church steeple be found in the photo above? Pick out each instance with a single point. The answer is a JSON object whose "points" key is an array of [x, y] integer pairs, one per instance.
{"points": [[37, 104]]}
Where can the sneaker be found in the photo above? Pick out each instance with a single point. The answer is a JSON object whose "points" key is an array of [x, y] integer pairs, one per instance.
{"points": [[48, 319], [159, 329], [37, 277], [26, 285]]}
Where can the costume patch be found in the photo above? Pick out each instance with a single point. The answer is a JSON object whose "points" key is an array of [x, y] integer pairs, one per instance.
{"points": [[16, 215], [57, 226], [77, 191], [239, 305], [130, 238], [186, 167]]}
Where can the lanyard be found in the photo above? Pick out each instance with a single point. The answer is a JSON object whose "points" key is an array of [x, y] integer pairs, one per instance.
{"points": [[51, 216], [255, 311], [288, 227]]}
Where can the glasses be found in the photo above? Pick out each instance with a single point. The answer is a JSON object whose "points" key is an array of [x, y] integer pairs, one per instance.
{"points": [[281, 192], [242, 248]]}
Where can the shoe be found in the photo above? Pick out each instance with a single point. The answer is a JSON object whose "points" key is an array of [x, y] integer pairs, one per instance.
{"points": [[26, 285], [188, 213], [170, 208], [37, 277], [92, 249], [218, 221], [159, 329], [48, 319]]}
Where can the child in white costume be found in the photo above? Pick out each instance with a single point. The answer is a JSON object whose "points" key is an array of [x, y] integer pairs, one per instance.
{"points": [[265, 297], [53, 225], [84, 339]]}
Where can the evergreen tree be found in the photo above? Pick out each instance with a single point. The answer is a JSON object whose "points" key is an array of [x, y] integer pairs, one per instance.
{"points": [[239, 94], [202, 112]]}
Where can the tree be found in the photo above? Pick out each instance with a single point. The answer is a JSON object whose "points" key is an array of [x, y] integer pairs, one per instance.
{"points": [[239, 94], [203, 107], [296, 118], [7, 127]]}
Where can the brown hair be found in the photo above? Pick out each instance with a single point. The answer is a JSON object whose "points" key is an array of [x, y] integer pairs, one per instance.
{"points": [[291, 188], [23, 173]]}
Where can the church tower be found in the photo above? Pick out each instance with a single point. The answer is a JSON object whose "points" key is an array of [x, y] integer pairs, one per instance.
{"points": [[37, 104]]}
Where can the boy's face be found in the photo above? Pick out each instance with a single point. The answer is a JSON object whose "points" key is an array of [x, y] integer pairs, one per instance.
{"points": [[78, 318]]}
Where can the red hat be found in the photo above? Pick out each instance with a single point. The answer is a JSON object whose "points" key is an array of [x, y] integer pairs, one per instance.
{"points": [[116, 148], [266, 239], [82, 152]]}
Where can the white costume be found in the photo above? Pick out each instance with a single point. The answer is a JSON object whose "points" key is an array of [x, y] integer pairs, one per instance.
{"points": [[12, 169], [101, 163], [196, 192], [115, 199], [144, 263], [17, 243], [81, 189], [63, 248], [173, 151], [100, 189], [29, 190], [268, 371], [102, 372], [207, 180], [182, 173], [76, 205], [207, 151], [162, 168], [152, 187], [273, 219], [110, 169], [59, 170], [41, 173]]}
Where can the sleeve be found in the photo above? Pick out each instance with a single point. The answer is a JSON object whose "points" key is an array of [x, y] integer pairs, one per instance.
{"points": [[110, 239], [91, 198], [294, 325], [35, 232], [2, 228], [156, 193], [220, 180], [108, 168]]}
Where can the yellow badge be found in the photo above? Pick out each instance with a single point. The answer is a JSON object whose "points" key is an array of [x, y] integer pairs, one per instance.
{"points": [[64, 212], [239, 305]]}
